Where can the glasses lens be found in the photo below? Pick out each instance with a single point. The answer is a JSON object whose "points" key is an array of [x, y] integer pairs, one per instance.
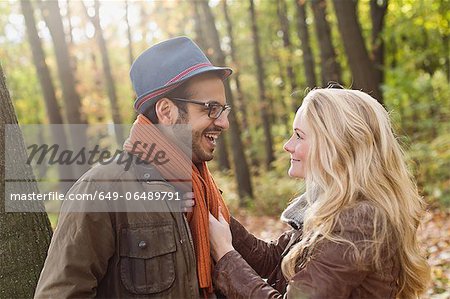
{"points": [[215, 110], [227, 111]]}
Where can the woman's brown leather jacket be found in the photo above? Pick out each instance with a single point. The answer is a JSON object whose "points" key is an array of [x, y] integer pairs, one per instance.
{"points": [[330, 272]]}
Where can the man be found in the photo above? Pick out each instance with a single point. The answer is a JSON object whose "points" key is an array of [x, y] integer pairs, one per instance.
{"points": [[124, 253]]}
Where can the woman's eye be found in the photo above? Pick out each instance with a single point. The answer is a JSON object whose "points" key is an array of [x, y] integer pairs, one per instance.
{"points": [[298, 135]]}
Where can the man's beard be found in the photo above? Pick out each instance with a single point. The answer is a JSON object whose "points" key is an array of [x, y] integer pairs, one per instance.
{"points": [[197, 152], [190, 141]]}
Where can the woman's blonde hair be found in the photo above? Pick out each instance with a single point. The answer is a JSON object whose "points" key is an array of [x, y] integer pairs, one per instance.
{"points": [[353, 157]]}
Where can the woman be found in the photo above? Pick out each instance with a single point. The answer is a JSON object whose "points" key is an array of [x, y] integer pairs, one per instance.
{"points": [[354, 229]]}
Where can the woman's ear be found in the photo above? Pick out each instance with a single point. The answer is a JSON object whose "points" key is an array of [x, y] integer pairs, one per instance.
{"points": [[166, 112]]}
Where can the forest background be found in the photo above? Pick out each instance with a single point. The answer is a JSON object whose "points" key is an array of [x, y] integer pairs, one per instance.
{"points": [[68, 62]]}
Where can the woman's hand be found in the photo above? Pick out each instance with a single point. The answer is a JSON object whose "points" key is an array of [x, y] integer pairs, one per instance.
{"points": [[219, 236]]}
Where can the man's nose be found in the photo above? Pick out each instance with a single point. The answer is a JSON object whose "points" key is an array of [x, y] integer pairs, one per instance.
{"points": [[222, 121]]}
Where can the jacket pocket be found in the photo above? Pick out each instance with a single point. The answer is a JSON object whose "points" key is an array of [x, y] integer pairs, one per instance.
{"points": [[147, 258]]}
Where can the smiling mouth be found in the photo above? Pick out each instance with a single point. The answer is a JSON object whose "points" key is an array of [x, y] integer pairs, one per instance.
{"points": [[295, 160], [212, 137]]}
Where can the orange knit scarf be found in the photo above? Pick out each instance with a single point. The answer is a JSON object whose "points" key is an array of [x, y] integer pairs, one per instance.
{"points": [[179, 166]]}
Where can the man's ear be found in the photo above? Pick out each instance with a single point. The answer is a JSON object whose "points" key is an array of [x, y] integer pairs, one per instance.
{"points": [[166, 111]]}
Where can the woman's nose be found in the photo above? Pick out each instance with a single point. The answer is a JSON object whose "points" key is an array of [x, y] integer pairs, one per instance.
{"points": [[287, 146]]}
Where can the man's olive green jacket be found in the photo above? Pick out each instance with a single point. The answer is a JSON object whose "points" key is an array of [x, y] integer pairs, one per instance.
{"points": [[117, 254]]}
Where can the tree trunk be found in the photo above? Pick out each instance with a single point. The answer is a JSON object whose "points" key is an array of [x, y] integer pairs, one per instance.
{"points": [[446, 42], [331, 70], [72, 101], [444, 7], [69, 21], [261, 88], [74, 62], [361, 66], [239, 159], [198, 26], [243, 178], [110, 84], [303, 35], [242, 106], [52, 16], [130, 39], [284, 118], [284, 26], [204, 43], [222, 154], [378, 11], [24, 237], [48, 90]]}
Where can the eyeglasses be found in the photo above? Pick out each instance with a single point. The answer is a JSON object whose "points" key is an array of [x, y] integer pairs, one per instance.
{"points": [[215, 110]]}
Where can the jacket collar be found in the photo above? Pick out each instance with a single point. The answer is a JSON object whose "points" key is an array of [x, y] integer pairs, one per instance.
{"points": [[146, 172], [143, 170]]}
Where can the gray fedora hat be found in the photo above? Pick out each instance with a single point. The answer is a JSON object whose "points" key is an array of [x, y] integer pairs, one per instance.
{"points": [[166, 65]]}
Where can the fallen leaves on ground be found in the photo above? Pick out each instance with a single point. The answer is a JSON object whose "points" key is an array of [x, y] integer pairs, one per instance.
{"points": [[434, 236]]}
